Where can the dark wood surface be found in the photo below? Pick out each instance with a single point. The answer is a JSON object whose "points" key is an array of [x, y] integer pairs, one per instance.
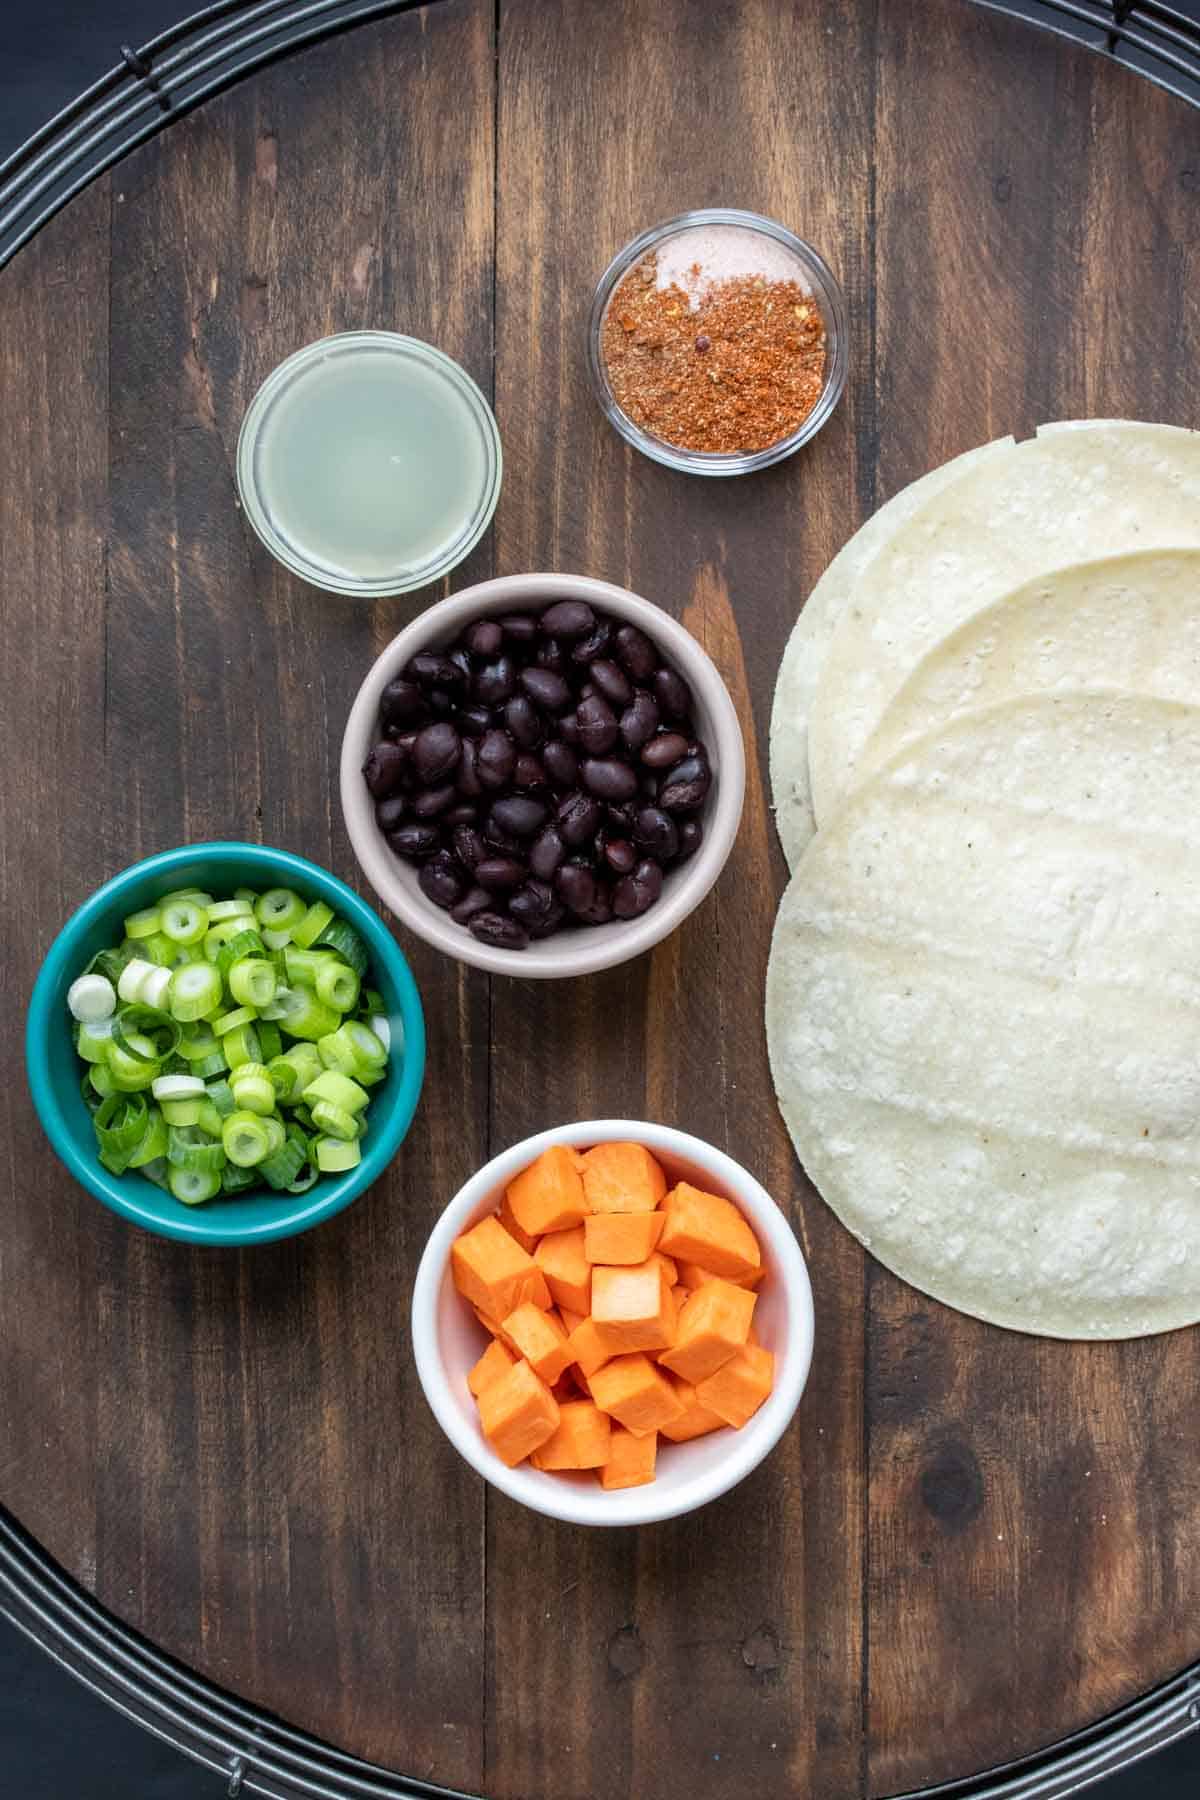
{"points": [[971, 1542]]}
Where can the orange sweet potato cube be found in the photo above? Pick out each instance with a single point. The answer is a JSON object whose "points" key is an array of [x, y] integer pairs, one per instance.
{"points": [[548, 1195], [588, 1348], [581, 1441], [638, 1395], [507, 1218], [622, 1178], [740, 1386], [518, 1413], [709, 1230], [488, 1323], [570, 1319], [561, 1258], [496, 1360], [667, 1264], [633, 1309], [693, 1276], [621, 1238], [539, 1337], [713, 1326], [695, 1420], [493, 1272], [631, 1459]]}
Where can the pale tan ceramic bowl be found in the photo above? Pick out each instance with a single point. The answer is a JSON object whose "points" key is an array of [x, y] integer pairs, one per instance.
{"points": [[579, 951]]}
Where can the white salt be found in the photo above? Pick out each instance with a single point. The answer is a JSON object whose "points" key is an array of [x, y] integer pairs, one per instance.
{"points": [[697, 259]]}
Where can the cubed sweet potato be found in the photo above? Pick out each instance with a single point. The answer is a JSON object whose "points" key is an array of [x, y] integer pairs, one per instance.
{"points": [[518, 1413], [636, 1393], [561, 1258], [709, 1230], [740, 1386], [713, 1326], [548, 1195], [631, 1459], [493, 1272], [695, 1420], [539, 1337], [581, 1442], [633, 1309], [508, 1219], [621, 1238], [588, 1348], [496, 1360], [622, 1178]]}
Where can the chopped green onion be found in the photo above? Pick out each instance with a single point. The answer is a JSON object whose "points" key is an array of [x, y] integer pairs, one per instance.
{"points": [[270, 1040], [349, 945], [91, 998], [109, 963], [249, 895], [216, 935], [161, 950], [195, 991], [334, 1120], [337, 986], [253, 1089], [280, 909], [221, 1095], [241, 1045], [188, 1148], [184, 921], [304, 1016], [196, 894], [307, 1178], [338, 1052], [120, 1125], [334, 1155], [129, 984], [181, 1112], [143, 924], [235, 1180], [252, 981], [312, 924], [155, 1171], [208, 1119], [282, 1166], [370, 1001], [148, 1024], [246, 943], [179, 1087], [154, 1141], [241, 1015], [92, 1041], [370, 1048], [208, 1066], [193, 1185], [301, 966], [100, 1080], [246, 1139], [197, 1039], [275, 940], [338, 1090], [220, 910]]}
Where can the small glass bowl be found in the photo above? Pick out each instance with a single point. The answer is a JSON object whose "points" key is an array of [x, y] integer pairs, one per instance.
{"points": [[825, 291]]}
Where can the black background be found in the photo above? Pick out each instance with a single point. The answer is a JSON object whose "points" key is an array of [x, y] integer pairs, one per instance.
{"points": [[57, 1742]]}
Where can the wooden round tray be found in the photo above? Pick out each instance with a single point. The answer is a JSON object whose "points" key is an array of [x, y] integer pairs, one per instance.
{"points": [[971, 1543]]}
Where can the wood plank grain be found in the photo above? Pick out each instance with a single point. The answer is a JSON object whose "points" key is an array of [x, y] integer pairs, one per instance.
{"points": [[718, 1651], [272, 1499], [1030, 1565]]}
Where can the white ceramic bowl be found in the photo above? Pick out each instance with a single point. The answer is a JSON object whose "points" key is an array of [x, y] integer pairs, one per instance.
{"points": [[572, 952], [448, 1340]]}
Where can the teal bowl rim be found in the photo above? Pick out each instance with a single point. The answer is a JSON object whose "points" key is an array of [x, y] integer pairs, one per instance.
{"points": [[204, 1227]]}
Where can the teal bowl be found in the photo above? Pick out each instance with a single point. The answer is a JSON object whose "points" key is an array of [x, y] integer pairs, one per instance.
{"points": [[55, 1070]]}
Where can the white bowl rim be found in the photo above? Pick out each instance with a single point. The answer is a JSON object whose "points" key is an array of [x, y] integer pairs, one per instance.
{"points": [[588, 952], [625, 1506]]}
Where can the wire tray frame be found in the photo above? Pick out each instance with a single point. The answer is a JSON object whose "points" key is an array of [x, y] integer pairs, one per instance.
{"points": [[255, 1753]]}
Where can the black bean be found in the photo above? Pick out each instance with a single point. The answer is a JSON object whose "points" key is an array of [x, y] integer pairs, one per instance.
{"points": [[464, 813], [546, 853], [484, 638], [469, 846], [551, 655], [691, 836], [462, 662], [501, 842], [551, 922], [441, 702], [560, 763], [672, 693], [576, 887], [431, 802], [519, 816], [441, 880], [499, 873], [468, 770], [528, 772], [601, 909], [639, 721], [522, 721], [635, 894], [609, 778], [665, 750], [475, 900], [501, 932], [496, 759], [519, 628], [546, 689], [568, 619], [648, 784], [496, 681], [612, 681], [415, 841], [655, 831], [635, 652], [595, 644], [597, 725], [431, 669], [472, 721], [686, 786], [578, 819], [621, 818], [620, 855], [436, 751], [391, 813], [532, 904], [568, 728], [402, 703], [383, 769]]}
